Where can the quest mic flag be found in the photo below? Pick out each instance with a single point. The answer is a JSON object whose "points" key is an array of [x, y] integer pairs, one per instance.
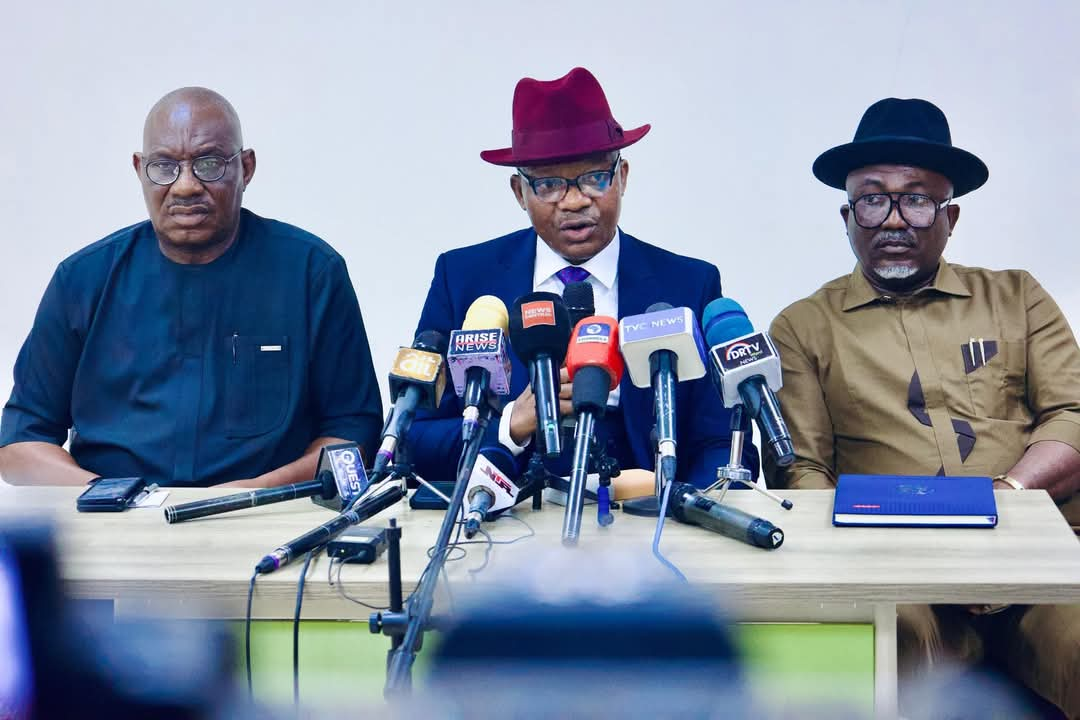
{"points": [[345, 463], [746, 370], [417, 380], [478, 358], [539, 333]]}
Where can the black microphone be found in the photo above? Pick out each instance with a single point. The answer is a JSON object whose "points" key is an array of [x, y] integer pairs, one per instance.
{"points": [[690, 506], [417, 380], [324, 486], [580, 304], [746, 369], [539, 334], [579, 300], [492, 487], [382, 497]]}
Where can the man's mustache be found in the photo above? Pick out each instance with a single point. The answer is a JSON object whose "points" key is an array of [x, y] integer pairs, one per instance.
{"points": [[894, 237]]}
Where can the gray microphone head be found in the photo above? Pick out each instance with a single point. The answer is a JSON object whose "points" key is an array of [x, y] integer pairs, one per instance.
{"points": [[657, 307]]}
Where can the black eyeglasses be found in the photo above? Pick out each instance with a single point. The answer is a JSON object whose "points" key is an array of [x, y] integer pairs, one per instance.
{"points": [[917, 210], [591, 184], [207, 168]]}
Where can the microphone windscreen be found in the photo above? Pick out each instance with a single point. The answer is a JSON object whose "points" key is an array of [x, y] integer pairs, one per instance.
{"points": [[658, 306], [502, 459], [539, 324], [595, 343], [431, 341], [580, 302], [724, 320], [487, 312]]}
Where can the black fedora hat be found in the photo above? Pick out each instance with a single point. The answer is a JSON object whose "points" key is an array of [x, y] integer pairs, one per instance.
{"points": [[906, 132]]}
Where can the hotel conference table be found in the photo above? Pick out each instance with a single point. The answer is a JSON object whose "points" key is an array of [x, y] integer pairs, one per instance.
{"points": [[202, 568]]}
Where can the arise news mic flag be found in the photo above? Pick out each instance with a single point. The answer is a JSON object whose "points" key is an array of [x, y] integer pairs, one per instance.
{"points": [[493, 487], [662, 347], [417, 381], [595, 367], [745, 367], [478, 359], [539, 333]]}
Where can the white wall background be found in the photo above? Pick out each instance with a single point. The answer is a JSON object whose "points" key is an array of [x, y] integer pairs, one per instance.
{"points": [[368, 118]]}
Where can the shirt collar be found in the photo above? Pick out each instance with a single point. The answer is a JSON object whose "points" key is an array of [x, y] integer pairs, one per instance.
{"points": [[860, 292], [603, 266]]}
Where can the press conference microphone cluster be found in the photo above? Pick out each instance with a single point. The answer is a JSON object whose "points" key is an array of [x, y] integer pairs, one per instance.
{"points": [[690, 506], [595, 368], [478, 359], [539, 333], [746, 369], [417, 381], [492, 487]]}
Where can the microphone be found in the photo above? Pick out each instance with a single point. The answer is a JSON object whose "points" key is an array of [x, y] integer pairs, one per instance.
{"points": [[579, 301], [478, 360], [662, 347], [417, 380], [539, 333], [746, 370], [323, 485], [491, 487], [595, 367], [690, 506], [383, 496], [580, 304]]}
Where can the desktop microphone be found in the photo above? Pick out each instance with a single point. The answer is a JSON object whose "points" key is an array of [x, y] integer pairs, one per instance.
{"points": [[539, 332], [745, 368], [478, 361], [492, 487], [417, 380], [323, 485], [688, 505]]}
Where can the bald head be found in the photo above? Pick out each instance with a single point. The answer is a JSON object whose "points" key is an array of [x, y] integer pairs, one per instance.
{"points": [[194, 133], [178, 107]]}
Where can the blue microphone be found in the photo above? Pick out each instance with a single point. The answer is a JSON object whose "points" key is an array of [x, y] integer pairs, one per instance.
{"points": [[745, 367]]}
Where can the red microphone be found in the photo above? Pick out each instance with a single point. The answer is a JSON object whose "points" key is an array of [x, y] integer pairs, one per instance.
{"points": [[595, 366]]}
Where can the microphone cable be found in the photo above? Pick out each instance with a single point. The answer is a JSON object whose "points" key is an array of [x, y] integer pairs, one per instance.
{"points": [[296, 628], [660, 528]]}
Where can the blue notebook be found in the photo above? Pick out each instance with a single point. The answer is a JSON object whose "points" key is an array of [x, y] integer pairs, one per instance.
{"points": [[914, 501]]}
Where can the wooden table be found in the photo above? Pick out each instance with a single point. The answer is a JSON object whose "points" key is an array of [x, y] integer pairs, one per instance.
{"points": [[822, 573]]}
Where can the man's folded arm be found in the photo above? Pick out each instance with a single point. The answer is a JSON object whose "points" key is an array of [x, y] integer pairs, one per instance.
{"points": [[802, 404]]}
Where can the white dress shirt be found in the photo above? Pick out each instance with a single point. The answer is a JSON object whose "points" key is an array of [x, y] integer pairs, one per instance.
{"points": [[603, 271]]}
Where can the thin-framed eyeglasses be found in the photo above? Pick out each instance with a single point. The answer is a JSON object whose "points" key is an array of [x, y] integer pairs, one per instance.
{"points": [[207, 168], [916, 209], [592, 184]]}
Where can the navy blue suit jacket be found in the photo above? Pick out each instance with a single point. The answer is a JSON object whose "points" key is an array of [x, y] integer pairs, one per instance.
{"points": [[503, 267]]}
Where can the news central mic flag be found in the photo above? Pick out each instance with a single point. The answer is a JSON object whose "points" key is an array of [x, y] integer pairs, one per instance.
{"points": [[646, 274]]}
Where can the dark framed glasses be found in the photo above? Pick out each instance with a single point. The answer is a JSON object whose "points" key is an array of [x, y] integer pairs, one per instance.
{"points": [[917, 210], [207, 168], [591, 184]]}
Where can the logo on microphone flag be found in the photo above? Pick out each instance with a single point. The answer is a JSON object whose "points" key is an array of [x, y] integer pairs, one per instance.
{"points": [[538, 312]]}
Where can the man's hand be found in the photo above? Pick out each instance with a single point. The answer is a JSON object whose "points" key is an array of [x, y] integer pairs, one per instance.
{"points": [[523, 417]]}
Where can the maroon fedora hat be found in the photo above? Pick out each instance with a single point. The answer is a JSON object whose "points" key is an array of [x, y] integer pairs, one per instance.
{"points": [[557, 120]]}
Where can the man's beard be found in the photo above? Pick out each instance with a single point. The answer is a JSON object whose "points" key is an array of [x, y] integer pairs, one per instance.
{"points": [[895, 272]]}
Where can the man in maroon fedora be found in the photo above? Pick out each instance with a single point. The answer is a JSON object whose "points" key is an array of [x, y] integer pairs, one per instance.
{"points": [[569, 178], [910, 365]]}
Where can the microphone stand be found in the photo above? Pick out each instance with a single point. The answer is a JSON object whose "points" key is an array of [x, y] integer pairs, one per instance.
{"points": [[734, 472], [650, 506], [411, 623]]}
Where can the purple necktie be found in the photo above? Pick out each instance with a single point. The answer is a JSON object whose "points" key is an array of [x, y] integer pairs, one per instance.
{"points": [[572, 274]]}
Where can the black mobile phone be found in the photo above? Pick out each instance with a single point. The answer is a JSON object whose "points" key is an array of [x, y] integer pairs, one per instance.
{"points": [[109, 494]]}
